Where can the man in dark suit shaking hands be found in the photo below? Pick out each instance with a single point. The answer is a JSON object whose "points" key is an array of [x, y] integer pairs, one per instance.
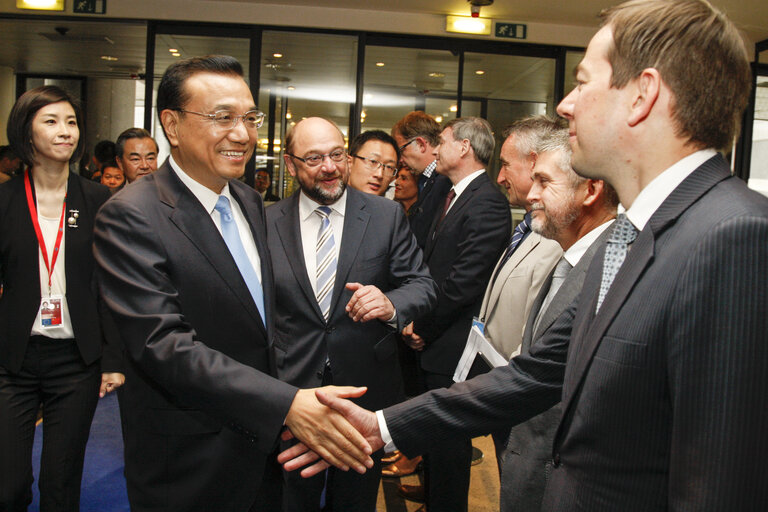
{"points": [[666, 380], [186, 274]]}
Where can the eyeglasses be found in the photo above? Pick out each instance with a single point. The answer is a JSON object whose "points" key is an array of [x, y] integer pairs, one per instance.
{"points": [[314, 160], [406, 144], [227, 119], [375, 165]]}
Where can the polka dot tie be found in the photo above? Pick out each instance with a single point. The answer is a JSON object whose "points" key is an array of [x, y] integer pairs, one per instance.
{"points": [[623, 234]]}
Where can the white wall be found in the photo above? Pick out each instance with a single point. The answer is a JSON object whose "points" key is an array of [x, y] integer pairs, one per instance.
{"points": [[110, 109]]}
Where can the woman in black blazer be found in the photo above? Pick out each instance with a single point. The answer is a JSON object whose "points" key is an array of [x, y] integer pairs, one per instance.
{"points": [[50, 334]]}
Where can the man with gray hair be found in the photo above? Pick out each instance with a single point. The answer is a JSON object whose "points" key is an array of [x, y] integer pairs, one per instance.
{"points": [[466, 237]]}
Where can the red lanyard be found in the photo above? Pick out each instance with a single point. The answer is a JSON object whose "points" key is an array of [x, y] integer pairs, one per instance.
{"points": [[39, 233]]}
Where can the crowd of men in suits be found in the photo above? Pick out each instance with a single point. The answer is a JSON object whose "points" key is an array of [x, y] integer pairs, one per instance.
{"points": [[254, 335]]}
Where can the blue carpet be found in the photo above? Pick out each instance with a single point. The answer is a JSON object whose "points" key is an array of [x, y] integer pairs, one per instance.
{"points": [[103, 487]]}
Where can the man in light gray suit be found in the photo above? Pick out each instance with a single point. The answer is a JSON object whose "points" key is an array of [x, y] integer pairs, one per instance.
{"points": [[574, 212]]}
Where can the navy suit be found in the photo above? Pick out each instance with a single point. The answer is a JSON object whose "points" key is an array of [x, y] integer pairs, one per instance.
{"points": [[201, 411]]}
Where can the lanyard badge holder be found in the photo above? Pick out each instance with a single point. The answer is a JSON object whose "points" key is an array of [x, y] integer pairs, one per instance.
{"points": [[50, 306]]}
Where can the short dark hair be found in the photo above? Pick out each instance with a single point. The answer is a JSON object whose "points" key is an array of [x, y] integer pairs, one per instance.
{"points": [[104, 151], [171, 94], [7, 152], [370, 135], [418, 124], [131, 133], [19, 129]]}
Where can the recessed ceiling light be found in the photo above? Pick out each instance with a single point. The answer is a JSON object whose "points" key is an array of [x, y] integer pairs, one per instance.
{"points": [[453, 108], [288, 115], [176, 54], [41, 5], [108, 57], [291, 88], [173, 50], [479, 72], [439, 119], [277, 55], [437, 74], [380, 64]]}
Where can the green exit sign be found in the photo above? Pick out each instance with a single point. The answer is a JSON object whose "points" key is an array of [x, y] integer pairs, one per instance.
{"points": [[511, 30], [90, 6]]}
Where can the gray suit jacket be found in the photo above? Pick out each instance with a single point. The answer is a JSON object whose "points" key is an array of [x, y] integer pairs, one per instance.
{"points": [[377, 248], [665, 390], [527, 459]]}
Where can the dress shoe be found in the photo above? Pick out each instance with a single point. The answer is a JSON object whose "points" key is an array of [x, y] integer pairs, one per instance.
{"points": [[412, 492], [403, 467], [389, 458]]}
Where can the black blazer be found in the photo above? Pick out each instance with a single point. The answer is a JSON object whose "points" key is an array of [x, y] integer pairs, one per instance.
{"points": [[20, 273], [377, 249], [461, 253], [197, 349], [665, 390], [431, 200]]}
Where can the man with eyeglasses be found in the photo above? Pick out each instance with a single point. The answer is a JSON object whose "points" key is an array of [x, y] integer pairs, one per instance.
{"points": [[348, 277], [186, 275], [373, 162], [417, 136]]}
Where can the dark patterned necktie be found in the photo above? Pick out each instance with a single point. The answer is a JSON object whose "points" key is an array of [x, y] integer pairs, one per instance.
{"points": [[517, 236], [623, 234]]}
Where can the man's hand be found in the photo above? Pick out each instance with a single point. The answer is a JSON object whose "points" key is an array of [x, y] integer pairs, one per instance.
{"points": [[326, 431], [368, 303], [412, 339], [363, 420], [110, 382]]}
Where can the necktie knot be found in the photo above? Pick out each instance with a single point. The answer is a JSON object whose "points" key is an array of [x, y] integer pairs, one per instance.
{"points": [[323, 211], [624, 232], [222, 206]]}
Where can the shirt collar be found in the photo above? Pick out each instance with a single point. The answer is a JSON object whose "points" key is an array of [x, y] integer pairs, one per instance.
{"points": [[577, 250], [307, 206], [464, 183], [430, 169], [206, 196], [656, 192]]}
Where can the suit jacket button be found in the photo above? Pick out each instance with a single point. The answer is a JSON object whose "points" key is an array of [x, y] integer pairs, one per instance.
{"points": [[319, 375], [330, 329], [556, 461]]}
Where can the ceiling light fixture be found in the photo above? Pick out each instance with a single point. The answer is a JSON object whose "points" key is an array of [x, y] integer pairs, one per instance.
{"points": [[479, 72], [467, 25], [437, 74], [277, 55], [41, 5], [176, 54], [453, 108], [172, 50], [380, 64], [108, 58]]}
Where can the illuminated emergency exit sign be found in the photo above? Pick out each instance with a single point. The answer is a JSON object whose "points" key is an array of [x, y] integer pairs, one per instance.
{"points": [[511, 30], [90, 6]]}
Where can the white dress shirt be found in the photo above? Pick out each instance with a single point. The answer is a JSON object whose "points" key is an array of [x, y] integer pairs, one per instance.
{"points": [[50, 228], [309, 225], [208, 199]]}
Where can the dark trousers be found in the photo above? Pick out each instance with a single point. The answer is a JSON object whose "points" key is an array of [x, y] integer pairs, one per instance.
{"points": [[447, 467], [52, 375]]}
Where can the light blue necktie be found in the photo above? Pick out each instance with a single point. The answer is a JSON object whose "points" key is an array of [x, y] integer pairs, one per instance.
{"points": [[326, 262], [623, 234], [232, 239]]}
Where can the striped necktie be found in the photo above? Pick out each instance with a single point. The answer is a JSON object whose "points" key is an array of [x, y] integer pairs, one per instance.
{"points": [[235, 245], [623, 234], [326, 261], [517, 236]]}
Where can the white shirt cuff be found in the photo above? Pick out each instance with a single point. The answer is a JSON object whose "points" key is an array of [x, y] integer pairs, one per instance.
{"points": [[389, 445]]}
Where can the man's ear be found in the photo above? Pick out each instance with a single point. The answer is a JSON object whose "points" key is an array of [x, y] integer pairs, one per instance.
{"points": [[645, 89], [594, 189], [289, 164], [170, 121]]}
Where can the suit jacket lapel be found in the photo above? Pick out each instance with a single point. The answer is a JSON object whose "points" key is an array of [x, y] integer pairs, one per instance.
{"points": [[190, 218], [289, 232], [592, 328], [522, 250], [355, 223], [458, 205]]}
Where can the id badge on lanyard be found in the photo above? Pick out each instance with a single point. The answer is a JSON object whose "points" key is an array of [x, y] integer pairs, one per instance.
{"points": [[50, 306]]}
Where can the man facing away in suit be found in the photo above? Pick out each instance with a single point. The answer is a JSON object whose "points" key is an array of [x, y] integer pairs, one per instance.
{"points": [[575, 212], [417, 135], [348, 277], [467, 236], [665, 378], [186, 274]]}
